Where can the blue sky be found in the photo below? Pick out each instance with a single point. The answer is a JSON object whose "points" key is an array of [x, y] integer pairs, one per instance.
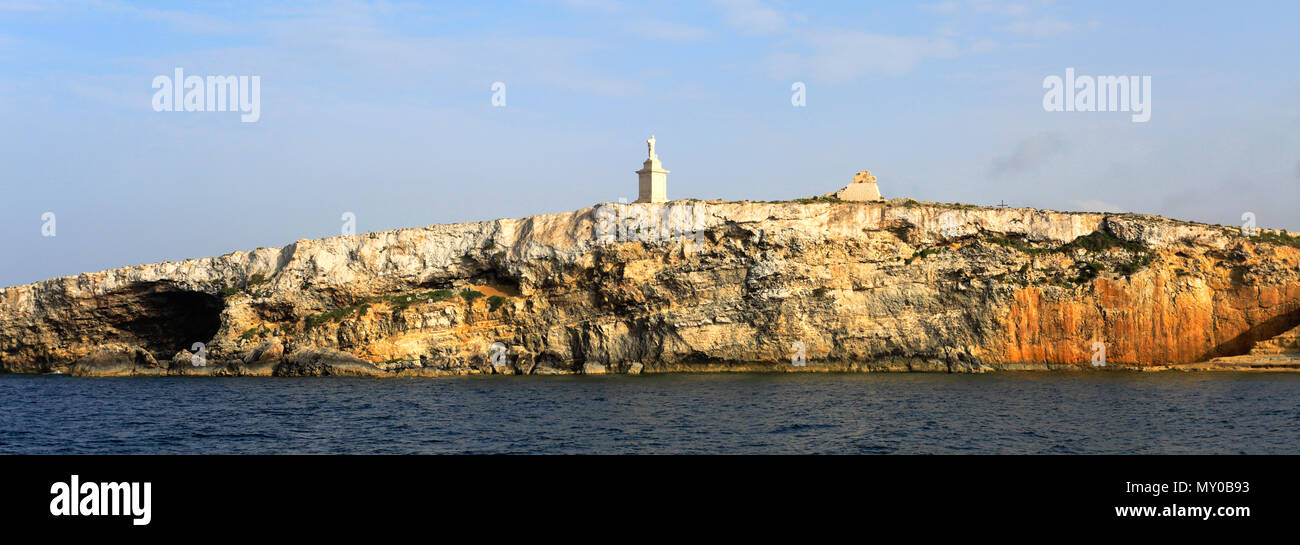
{"points": [[384, 110]]}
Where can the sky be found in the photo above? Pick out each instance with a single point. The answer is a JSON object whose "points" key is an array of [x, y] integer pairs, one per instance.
{"points": [[387, 111]]}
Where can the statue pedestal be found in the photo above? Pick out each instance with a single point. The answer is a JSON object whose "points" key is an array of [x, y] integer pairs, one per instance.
{"points": [[652, 182]]}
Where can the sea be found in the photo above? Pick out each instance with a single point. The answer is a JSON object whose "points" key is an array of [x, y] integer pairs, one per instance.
{"points": [[712, 413]]}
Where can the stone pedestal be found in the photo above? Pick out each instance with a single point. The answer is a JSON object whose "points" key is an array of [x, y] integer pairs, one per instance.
{"points": [[652, 182]]}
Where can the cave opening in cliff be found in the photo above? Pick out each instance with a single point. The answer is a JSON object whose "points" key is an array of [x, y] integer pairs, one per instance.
{"points": [[159, 317], [1267, 329], [491, 281]]}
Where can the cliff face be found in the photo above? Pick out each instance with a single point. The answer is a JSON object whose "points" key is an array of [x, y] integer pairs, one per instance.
{"points": [[680, 285]]}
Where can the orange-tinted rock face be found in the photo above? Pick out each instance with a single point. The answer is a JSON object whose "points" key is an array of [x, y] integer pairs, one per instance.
{"points": [[860, 285], [1145, 321]]}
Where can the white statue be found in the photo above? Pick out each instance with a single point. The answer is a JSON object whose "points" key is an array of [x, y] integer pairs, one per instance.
{"points": [[651, 144]]}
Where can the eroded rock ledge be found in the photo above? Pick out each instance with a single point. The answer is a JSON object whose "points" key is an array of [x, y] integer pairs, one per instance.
{"points": [[891, 286]]}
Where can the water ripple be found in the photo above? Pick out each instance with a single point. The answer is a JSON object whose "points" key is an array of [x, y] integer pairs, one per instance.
{"points": [[1056, 413]]}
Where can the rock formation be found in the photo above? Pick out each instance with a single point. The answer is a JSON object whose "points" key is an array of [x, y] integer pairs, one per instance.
{"points": [[1282, 351], [859, 286]]}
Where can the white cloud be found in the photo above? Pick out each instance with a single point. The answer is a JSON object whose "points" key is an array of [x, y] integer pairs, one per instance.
{"points": [[994, 7], [1026, 19], [187, 22], [755, 16], [637, 23], [948, 7], [27, 5], [1039, 28], [608, 6], [838, 56], [984, 46], [668, 31], [998, 7], [834, 55]]}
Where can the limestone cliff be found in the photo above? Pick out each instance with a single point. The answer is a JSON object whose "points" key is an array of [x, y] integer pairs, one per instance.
{"points": [[684, 285]]}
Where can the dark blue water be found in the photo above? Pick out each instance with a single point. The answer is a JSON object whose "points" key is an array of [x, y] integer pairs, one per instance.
{"points": [[745, 413]]}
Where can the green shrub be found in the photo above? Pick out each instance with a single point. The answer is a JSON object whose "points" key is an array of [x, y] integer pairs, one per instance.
{"points": [[1139, 261], [924, 253], [309, 323], [470, 295], [1278, 237], [360, 308], [1088, 272], [811, 200], [495, 302], [1017, 244], [1097, 241], [400, 302]]}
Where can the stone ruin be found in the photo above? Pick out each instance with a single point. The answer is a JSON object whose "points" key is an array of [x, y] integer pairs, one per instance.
{"points": [[863, 188]]}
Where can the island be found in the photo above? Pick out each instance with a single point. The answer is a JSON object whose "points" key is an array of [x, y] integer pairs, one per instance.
{"points": [[690, 285]]}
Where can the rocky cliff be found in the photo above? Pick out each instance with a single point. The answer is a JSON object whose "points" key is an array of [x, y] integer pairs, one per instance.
{"points": [[685, 285]]}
